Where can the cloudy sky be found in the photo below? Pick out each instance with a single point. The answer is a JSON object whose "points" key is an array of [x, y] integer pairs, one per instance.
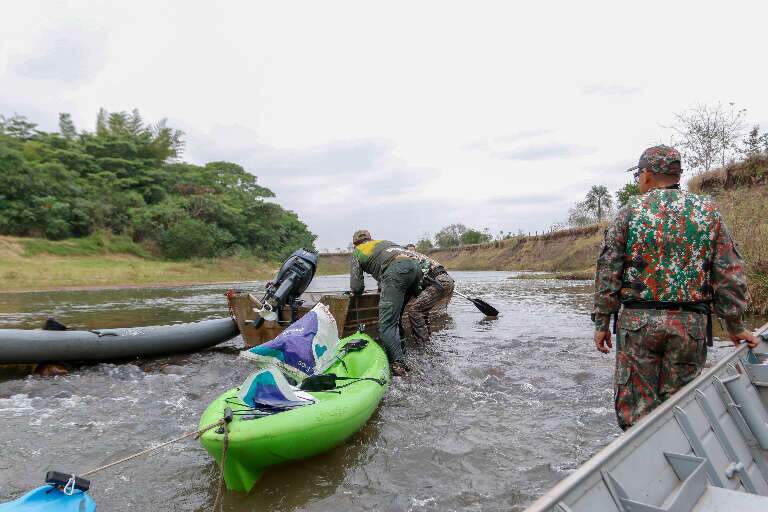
{"points": [[399, 117]]}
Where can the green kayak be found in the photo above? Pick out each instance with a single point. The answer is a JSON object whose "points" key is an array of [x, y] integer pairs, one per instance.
{"points": [[256, 444]]}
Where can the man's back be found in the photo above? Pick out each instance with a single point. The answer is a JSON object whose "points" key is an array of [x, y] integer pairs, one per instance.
{"points": [[666, 257], [373, 257], [670, 242]]}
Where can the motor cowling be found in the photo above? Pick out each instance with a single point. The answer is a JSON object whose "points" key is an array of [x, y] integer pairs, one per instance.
{"points": [[291, 281]]}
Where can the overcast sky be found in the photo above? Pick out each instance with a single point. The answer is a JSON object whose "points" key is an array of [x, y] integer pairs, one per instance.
{"points": [[398, 117]]}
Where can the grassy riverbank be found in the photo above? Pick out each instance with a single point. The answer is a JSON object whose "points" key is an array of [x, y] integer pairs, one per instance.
{"points": [[106, 261], [741, 191]]}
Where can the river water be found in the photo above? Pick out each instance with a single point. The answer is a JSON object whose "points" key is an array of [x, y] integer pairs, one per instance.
{"points": [[493, 413]]}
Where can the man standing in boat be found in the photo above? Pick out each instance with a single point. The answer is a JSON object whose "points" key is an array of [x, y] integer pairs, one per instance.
{"points": [[399, 274], [670, 261]]}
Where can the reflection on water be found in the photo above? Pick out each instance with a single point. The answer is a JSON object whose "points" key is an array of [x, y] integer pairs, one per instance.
{"points": [[493, 413]]}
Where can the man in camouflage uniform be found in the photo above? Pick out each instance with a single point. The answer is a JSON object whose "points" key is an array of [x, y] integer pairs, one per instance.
{"points": [[399, 274], [667, 258], [437, 284]]}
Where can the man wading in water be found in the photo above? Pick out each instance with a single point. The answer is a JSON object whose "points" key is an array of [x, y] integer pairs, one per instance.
{"points": [[667, 258], [438, 284], [398, 274]]}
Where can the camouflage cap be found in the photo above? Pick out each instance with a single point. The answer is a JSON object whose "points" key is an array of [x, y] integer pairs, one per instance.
{"points": [[360, 236], [660, 160]]}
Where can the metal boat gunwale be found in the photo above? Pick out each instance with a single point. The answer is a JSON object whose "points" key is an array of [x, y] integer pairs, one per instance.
{"points": [[579, 483]]}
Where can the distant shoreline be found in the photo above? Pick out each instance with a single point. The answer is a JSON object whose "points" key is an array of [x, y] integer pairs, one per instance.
{"points": [[129, 286]]}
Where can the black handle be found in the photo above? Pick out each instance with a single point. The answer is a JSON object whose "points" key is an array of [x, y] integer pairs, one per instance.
{"points": [[59, 478]]}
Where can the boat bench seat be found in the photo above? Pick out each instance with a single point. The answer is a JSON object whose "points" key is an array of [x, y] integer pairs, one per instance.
{"points": [[717, 499]]}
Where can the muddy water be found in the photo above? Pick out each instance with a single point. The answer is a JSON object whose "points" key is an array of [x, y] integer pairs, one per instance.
{"points": [[493, 414]]}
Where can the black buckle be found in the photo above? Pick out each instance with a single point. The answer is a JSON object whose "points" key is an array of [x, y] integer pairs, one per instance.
{"points": [[67, 481]]}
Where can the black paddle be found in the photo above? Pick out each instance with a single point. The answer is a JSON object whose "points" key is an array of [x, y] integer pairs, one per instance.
{"points": [[483, 306]]}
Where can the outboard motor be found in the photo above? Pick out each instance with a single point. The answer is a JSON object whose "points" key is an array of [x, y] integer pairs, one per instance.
{"points": [[291, 281]]}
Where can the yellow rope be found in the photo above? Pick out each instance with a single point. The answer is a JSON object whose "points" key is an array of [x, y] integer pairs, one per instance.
{"points": [[150, 450], [224, 449]]}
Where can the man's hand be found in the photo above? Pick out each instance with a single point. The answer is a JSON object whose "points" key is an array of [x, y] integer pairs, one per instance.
{"points": [[603, 338], [747, 336]]}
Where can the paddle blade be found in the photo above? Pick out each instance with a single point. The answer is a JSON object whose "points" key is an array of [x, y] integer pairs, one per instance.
{"points": [[485, 308], [53, 325]]}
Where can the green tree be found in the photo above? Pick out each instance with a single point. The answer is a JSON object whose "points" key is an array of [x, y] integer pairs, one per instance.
{"points": [[450, 236], [580, 215], [755, 143], [17, 127], [598, 201], [194, 238], [473, 236], [424, 244], [66, 126], [126, 177], [625, 192]]}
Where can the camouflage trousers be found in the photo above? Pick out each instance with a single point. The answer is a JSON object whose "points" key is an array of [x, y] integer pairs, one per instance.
{"points": [[418, 308], [400, 278], [658, 352]]}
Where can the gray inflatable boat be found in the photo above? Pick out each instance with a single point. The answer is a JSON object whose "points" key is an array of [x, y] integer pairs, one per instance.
{"points": [[43, 346]]}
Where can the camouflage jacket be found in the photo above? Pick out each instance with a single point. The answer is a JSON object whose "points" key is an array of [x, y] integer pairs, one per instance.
{"points": [[672, 246], [372, 257], [427, 264]]}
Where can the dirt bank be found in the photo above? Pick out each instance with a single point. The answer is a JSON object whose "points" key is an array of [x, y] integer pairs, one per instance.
{"points": [[567, 250], [740, 190]]}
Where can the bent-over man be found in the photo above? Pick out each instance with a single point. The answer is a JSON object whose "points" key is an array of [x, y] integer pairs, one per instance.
{"points": [[398, 274], [667, 258], [437, 284]]}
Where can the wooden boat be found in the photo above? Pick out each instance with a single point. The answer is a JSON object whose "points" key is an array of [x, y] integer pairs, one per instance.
{"points": [[704, 449], [351, 312]]}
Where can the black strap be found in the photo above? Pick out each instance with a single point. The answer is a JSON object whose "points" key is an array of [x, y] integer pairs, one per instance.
{"points": [[328, 381]]}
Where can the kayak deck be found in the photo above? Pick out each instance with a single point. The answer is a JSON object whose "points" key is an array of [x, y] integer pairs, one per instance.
{"points": [[256, 444]]}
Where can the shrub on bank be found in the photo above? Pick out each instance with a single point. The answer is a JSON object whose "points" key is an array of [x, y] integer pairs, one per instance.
{"points": [[192, 238], [96, 244]]}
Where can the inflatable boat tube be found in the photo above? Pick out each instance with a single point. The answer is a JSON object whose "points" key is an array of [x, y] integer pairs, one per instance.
{"points": [[41, 346]]}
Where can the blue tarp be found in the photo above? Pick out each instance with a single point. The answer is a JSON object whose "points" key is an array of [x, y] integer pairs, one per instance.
{"points": [[268, 389], [307, 347]]}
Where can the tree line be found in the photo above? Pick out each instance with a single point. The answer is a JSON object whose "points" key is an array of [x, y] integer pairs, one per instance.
{"points": [[127, 177], [456, 235]]}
